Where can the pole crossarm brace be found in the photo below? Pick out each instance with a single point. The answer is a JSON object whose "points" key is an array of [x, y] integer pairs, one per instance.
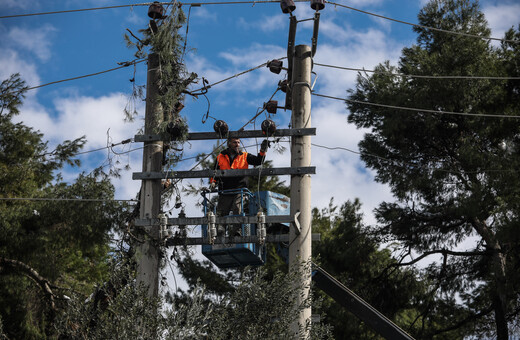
{"points": [[237, 134], [306, 170], [183, 221], [191, 241]]}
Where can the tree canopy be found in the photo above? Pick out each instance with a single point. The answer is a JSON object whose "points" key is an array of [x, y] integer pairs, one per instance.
{"points": [[51, 242], [452, 167]]}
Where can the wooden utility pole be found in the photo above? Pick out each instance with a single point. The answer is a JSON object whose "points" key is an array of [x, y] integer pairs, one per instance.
{"points": [[301, 236], [147, 254]]}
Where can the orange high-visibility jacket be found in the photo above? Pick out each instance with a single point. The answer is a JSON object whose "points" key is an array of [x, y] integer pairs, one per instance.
{"points": [[241, 161]]}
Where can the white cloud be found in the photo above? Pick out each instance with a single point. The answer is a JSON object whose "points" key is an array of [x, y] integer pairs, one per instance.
{"points": [[101, 121], [203, 13], [240, 60], [266, 23], [23, 4], [502, 17], [35, 40], [12, 63]]}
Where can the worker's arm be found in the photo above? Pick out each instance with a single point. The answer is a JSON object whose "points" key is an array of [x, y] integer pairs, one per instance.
{"points": [[257, 160]]}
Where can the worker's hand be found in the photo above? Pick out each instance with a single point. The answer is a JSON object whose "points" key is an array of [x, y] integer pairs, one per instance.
{"points": [[212, 186], [264, 146]]}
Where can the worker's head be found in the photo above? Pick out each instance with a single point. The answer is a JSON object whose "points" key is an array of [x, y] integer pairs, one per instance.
{"points": [[234, 144]]}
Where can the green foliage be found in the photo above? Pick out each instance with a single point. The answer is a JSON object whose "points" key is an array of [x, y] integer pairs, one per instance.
{"points": [[353, 255], [48, 245], [162, 39], [12, 92], [453, 176], [254, 309]]}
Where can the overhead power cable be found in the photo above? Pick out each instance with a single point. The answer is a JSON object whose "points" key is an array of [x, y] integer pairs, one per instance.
{"points": [[198, 4], [125, 64], [234, 76], [422, 26], [417, 109], [126, 141], [194, 4], [64, 199], [71, 11], [417, 76], [405, 164]]}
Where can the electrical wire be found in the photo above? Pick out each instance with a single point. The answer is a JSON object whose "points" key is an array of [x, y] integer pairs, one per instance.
{"points": [[422, 26], [191, 4], [487, 115], [405, 164], [235, 76], [198, 4], [126, 141], [417, 76], [126, 64], [72, 10], [64, 199]]}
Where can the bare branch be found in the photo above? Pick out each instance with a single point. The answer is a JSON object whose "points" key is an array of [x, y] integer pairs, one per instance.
{"points": [[445, 252]]}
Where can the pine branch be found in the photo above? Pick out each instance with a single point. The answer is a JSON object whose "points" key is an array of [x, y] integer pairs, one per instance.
{"points": [[31, 273]]}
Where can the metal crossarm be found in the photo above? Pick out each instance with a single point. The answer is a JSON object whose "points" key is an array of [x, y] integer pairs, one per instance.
{"points": [[219, 220], [190, 241], [306, 170], [238, 134]]}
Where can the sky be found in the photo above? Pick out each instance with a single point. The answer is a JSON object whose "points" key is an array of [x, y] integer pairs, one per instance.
{"points": [[223, 40]]}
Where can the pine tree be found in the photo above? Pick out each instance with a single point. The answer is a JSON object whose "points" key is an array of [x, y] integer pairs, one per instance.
{"points": [[49, 246], [453, 175]]}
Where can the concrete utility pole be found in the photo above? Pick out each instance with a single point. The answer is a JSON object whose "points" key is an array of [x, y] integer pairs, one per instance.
{"points": [[300, 240], [147, 254]]}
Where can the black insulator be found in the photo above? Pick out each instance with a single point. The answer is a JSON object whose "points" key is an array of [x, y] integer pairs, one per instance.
{"points": [[275, 66], [268, 127], [283, 85], [317, 5], [156, 10], [271, 106], [221, 127], [287, 6]]}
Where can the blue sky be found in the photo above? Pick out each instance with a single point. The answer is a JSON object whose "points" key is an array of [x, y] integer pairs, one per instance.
{"points": [[223, 40]]}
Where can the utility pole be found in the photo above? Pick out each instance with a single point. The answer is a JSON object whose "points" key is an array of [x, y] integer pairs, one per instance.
{"points": [[301, 236], [147, 254]]}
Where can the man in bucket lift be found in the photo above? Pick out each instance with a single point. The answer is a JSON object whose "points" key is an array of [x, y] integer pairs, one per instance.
{"points": [[233, 158]]}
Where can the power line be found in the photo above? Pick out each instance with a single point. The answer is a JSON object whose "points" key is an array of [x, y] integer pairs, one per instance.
{"points": [[191, 4], [234, 76], [417, 109], [71, 11], [125, 64], [198, 4], [64, 199], [126, 141], [417, 76], [405, 164], [422, 26]]}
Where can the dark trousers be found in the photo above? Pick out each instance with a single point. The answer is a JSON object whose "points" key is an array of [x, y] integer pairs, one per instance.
{"points": [[227, 203]]}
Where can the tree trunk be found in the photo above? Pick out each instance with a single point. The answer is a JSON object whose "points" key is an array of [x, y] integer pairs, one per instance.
{"points": [[499, 276], [500, 299]]}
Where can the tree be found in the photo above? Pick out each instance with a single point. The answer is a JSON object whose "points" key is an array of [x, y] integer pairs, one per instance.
{"points": [[350, 252], [453, 175], [255, 309], [49, 246]]}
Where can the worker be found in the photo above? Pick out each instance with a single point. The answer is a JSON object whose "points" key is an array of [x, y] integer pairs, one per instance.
{"points": [[233, 158]]}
